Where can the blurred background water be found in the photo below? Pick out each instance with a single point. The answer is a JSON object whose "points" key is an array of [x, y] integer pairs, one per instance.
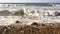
{"points": [[44, 6], [30, 18]]}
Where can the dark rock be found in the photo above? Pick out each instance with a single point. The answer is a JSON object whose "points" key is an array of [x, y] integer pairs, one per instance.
{"points": [[17, 22]]}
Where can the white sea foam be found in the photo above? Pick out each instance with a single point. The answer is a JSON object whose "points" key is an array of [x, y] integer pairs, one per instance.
{"points": [[29, 17]]}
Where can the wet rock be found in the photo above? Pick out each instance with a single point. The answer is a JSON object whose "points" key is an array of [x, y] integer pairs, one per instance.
{"points": [[17, 22], [43, 24], [35, 24]]}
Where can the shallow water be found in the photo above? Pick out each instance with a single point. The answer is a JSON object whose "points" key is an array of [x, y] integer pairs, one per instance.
{"points": [[29, 18]]}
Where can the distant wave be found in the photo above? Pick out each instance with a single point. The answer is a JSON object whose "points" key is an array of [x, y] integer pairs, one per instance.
{"points": [[31, 4], [44, 6]]}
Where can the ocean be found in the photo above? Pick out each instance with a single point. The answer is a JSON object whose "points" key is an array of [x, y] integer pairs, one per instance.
{"points": [[33, 4], [41, 12], [30, 4], [43, 6]]}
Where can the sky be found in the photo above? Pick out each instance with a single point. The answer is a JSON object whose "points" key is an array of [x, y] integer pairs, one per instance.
{"points": [[32, 1]]}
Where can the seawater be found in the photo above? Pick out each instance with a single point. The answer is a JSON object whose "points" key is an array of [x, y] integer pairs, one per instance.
{"points": [[44, 6], [7, 20]]}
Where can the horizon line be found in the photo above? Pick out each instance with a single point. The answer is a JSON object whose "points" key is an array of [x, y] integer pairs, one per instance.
{"points": [[28, 2], [14, 3]]}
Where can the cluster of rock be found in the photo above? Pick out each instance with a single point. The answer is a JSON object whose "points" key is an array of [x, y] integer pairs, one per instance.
{"points": [[34, 28]]}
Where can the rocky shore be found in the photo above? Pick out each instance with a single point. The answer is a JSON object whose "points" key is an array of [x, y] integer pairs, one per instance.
{"points": [[34, 28]]}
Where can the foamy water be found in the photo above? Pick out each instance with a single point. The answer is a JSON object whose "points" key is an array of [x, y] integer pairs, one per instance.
{"points": [[29, 18]]}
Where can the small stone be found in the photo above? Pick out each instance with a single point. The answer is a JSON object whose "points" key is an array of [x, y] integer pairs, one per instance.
{"points": [[36, 24], [4, 29], [17, 22], [22, 31], [8, 27]]}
